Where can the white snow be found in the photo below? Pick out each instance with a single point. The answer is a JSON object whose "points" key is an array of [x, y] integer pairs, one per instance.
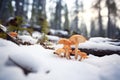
{"points": [[48, 66], [27, 38], [54, 32], [104, 40], [36, 35], [53, 38], [98, 46], [3, 28], [100, 43], [6, 43], [99, 39]]}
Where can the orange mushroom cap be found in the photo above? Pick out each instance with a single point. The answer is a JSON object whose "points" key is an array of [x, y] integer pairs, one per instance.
{"points": [[13, 34], [64, 41], [76, 39]]}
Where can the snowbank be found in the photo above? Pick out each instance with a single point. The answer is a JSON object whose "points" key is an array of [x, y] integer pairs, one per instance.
{"points": [[100, 43], [57, 32], [5, 43], [36, 35], [49, 66], [27, 38], [53, 38]]}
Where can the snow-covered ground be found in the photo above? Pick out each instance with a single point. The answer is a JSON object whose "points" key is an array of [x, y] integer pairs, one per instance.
{"points": [[97, 43], [35, 37], [100, 43], [48, 66]]}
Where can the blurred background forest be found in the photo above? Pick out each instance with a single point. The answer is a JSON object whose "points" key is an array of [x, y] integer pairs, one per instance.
{"points": [[91, 18]]}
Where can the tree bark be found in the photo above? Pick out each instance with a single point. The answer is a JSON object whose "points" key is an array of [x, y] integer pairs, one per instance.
{"points": [[99, 52]]}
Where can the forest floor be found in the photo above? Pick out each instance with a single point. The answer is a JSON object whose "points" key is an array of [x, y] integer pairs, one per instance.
{"points": [[42, 64]]}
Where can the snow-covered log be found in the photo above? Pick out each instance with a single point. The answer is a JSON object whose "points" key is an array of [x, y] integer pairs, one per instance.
{"points": [[25, 69], [100, 53], [99, 46], [3, 29]]}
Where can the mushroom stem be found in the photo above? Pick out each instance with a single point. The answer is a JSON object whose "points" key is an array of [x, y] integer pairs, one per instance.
{"points": [[67, 53]]}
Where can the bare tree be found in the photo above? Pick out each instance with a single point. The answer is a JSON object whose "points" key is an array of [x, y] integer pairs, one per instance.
{"points": [[58, 14], [19, 5], [74, 23], [98, 7], [6, 10], [112, 12], [38, 11], [66, 23], [93, 31]]}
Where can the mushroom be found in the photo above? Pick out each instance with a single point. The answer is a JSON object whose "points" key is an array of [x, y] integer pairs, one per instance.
{"points": [[75, 40], [64, 41], [66, 47], [13, 34], [82, 54], [59, 52]]}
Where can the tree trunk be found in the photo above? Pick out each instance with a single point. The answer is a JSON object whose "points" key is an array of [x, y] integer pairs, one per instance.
{"points": [[99, 53], [101, 31], [58, 15]]}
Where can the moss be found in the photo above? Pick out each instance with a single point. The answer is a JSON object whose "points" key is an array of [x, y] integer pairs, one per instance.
{"points": [[3, 35], [44, 38], [44, 26], [44, 29], [15, 24], [30, 30]]}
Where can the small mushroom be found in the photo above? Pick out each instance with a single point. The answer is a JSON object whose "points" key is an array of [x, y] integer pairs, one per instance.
{"points": [[75, 40], [13, 34], [66, 47], [82, 55], [64, 41], [59, 52]]}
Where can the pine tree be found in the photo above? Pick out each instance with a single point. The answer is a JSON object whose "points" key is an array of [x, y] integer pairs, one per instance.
{"points": [[66, 23], [15, 24], [97, 6], [57, 18], [38, 11], [44, 29], [6, 10], [112, 11], [93, 32]]}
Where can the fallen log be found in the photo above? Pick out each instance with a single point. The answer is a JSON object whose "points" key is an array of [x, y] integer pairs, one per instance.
{"points": [[25, 69], [100, 53], [8, 37], [100, 46]]}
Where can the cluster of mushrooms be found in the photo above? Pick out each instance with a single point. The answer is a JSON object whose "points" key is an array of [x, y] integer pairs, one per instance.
{"points": [[67, 50]]}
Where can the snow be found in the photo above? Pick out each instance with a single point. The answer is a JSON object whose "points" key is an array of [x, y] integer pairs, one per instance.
{"points": [[54, 32], [53, 38], [36, 35], [99, 39], [100, 43], [6, 43], [24, 32], [11, 73], [104, 40], [98, 46], [3, 28], [27, 38], [48, 66]]}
